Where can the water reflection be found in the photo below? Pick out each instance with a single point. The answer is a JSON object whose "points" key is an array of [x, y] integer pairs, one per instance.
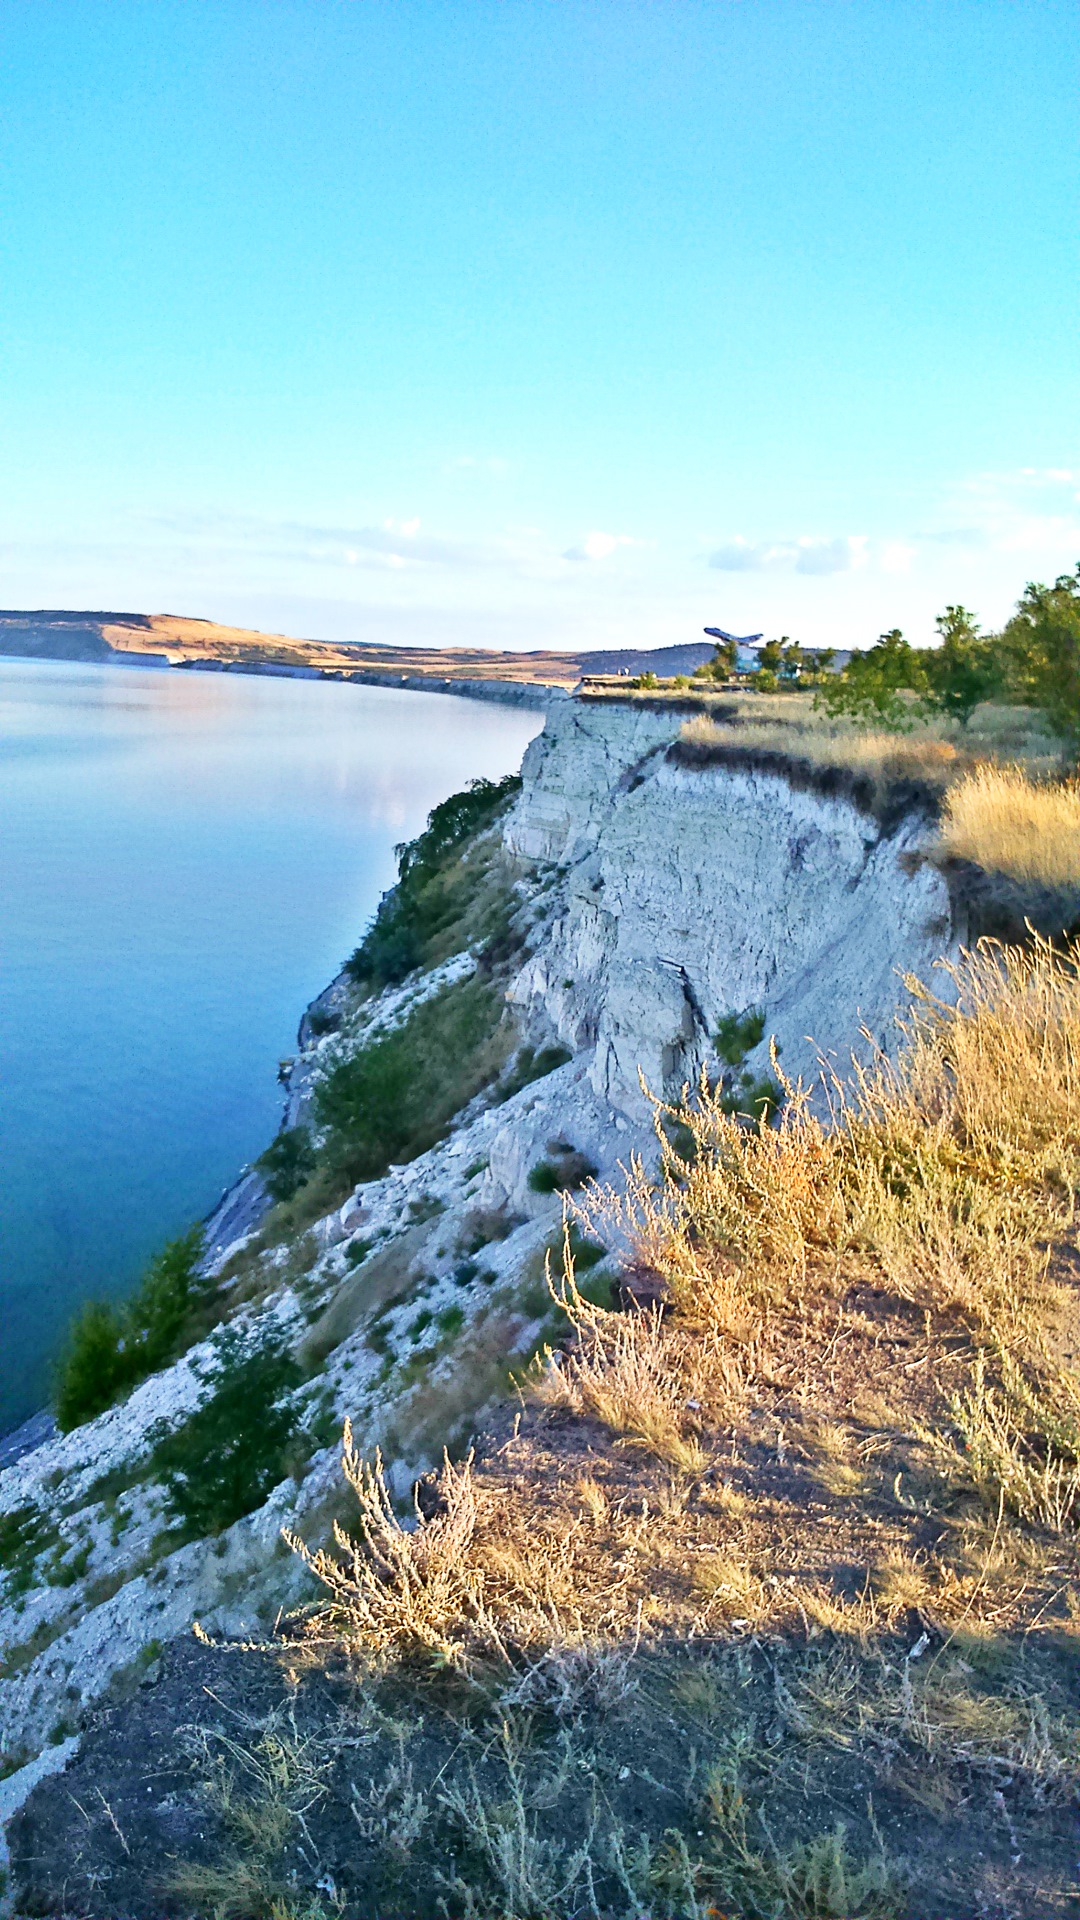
{"points": [[184, 860]]}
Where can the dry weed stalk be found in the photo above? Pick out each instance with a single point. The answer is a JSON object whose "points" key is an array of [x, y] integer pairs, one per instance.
{"points": [[416, 1592], [644, 1380], [1000, 1457]]}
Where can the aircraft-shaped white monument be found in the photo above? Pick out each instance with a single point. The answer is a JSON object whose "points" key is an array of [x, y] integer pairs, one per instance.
{"points": [[746, 645]]}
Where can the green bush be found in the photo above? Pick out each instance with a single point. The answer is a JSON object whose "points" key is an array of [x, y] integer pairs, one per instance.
{"points": [[110, 1349], [287, 1162], [756, 1099], [24, 1533], [430, 895], [93, 1370], [530, 1066], [584, 1253], [237, 1444], [738, 1033], [397, 1096], [563, 1173]]}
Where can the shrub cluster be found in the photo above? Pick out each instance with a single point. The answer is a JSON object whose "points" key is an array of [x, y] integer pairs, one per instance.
{"points": [[430, 894], [226, 1458], [287, 1162], [1033, 662], [111, 1349], [396, 1097]]}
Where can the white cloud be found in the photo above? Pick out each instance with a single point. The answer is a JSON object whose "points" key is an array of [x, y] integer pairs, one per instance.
{"points": [[1028, 510], [599, 546], [807, 554]]}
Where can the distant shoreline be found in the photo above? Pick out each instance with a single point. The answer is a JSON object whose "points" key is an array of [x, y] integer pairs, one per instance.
{"points": [[531, 679], [511, 693]]}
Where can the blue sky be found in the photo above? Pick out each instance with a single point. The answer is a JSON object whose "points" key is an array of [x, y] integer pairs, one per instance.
{"points": [[534, 322]]}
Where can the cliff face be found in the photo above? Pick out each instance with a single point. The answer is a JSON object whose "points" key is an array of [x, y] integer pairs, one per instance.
{"points": [[691, 893], [654, 899]]}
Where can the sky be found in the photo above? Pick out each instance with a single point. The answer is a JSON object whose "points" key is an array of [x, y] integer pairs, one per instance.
{"points": [[539, 323]]}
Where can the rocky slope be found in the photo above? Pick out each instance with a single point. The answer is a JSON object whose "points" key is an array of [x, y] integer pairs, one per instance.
{"points": [[652, 900]]}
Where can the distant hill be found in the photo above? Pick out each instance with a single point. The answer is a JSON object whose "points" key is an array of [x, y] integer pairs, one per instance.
{"points": [[57, 634]]}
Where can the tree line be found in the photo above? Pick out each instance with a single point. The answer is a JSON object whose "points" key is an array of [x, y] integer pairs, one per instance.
{"points": [[1033, 662]]}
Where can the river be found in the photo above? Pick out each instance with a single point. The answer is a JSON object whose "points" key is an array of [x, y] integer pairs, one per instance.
{"points": [[185, 860]]}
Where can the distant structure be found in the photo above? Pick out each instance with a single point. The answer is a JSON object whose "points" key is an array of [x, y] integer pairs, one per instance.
{"points": [[746, 647]]}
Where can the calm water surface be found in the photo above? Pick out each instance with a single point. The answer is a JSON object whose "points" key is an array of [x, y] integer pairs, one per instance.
{"points": [[185, 860]]}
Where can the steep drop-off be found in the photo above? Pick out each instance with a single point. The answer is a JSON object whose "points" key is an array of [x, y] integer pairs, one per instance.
{"points": [[650, 901]]}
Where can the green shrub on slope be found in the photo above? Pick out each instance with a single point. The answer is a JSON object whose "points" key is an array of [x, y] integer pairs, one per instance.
{"points": [[397, 1096], [234, 1448], [434, 888], [110, 1349]]}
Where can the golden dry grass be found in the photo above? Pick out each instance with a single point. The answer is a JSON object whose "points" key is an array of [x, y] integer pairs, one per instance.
{"points": [[847, 1439], [833, 743], [1011, 741], [1007, 823]]}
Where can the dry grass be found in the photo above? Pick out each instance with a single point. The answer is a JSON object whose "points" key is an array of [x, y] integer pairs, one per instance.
{"points": [[416, 1593], [1005, 765], [1004, 822], [886, 756], [948, 1171], [261, 1788], [843, 1462], [623, 1372]]}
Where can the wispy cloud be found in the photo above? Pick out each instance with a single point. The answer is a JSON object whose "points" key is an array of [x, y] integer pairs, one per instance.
{"points": [[806, 554], [393, 544], [1023, 510], [599, 546]]}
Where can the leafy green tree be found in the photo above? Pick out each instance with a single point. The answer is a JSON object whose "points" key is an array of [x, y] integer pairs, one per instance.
{"points": [[964, 670], [287, 1162], [233, 1449], [110, 1349], [1040, 650], [722, 665], [93, 1370], [171, 1289], [873, 683]]}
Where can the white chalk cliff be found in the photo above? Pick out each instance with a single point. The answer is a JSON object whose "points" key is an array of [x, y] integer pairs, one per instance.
{"points": [[660, 898]]}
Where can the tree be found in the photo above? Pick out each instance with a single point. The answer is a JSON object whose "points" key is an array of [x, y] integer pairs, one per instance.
{"points": [[229, 1454], [109, 1349], [171, 1289], [93, 1369], [964, 670], [873, 683], [722, 665], [1040, 652], [287, 1162]]}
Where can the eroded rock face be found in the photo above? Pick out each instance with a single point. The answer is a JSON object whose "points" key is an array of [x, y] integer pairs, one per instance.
{"points": [[691, 893], [659, 898]]}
